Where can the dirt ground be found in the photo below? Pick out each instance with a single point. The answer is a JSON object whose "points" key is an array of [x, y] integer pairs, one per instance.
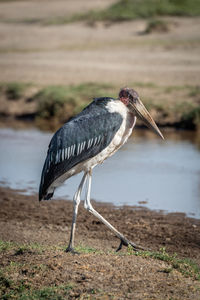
{"points": [[79, 52], [99, 274], [33, 235]]}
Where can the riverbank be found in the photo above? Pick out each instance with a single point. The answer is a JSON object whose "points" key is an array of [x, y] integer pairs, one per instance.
{"points": [[23, 104], [52, 68], [33, 262]]}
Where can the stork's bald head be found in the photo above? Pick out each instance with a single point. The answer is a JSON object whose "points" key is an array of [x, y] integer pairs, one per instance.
{"points": [[132, 100]]}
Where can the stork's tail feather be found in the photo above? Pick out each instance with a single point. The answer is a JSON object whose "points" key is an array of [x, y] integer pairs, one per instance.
{"points": [[46, 196]]}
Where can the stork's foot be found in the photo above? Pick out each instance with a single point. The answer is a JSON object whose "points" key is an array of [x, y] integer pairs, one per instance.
{"points": [[71, 250], [122, 243], [125, 242]]}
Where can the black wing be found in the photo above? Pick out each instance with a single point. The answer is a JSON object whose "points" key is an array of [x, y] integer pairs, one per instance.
{"points": [[79, 139]]}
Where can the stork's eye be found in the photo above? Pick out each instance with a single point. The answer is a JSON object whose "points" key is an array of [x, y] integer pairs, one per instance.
{"points": [[123, 94], [133, 99]]}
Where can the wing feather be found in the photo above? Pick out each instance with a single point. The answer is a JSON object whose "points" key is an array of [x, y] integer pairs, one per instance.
{"points": [[79, 139]]}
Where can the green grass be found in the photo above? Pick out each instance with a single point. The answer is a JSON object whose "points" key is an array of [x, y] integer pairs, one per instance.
{"points": [[24, 248], [10, 289], [82, 249], [127, 10], [194, 91], [86, 250], [124, 10], [185, 266], [64, 102], [54, 105], [23, 291], [156, 25], [51, 293], [15, 90], [20, 249], [14, 286], [5, 246], [191, 119], [132, 9]]}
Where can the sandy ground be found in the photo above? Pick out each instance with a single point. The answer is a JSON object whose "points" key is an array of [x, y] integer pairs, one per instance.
{"points": [[76, 53], [101, 274], [29, 10]]}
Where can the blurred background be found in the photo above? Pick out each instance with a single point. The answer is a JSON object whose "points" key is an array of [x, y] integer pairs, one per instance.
{"points": [[55, 56]]}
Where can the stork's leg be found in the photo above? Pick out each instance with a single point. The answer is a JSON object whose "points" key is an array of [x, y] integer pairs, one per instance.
{"points": [[76, 201], [88, 206]]}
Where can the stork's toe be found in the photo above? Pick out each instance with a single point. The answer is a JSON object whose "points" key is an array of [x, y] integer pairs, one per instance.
{"points": [[71, 250], [125, 242]]}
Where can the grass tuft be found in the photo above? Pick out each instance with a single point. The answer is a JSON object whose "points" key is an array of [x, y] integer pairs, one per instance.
{"points": [[157, 25], [21, 249], [19, 279], [23, 291], [5, 246], [191, 119], [127, 10], [54, 105], [53, 293], [15, 90], [194, 91], [124, 10], [63, 102], [185, 266], [86, 249]]}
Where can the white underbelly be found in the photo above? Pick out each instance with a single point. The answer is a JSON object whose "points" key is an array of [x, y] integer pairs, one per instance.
{"points": [[119, 139]]}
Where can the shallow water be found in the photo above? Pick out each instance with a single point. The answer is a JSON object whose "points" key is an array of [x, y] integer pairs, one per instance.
{"points": [[161, 175]]}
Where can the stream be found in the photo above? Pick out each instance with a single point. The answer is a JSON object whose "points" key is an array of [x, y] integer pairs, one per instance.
{"points": [[149, 172]]}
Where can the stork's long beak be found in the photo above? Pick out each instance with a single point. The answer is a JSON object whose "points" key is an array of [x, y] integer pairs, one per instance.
{"points": [[141, 112]]}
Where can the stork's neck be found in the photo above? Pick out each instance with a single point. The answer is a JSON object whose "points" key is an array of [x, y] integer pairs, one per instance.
{"points": [[117, 106], [132, 120], [124, 100]]}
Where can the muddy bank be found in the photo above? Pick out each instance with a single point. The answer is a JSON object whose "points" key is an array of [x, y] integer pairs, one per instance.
{"points": [[39, 232], [48, 108], [151, 229]]}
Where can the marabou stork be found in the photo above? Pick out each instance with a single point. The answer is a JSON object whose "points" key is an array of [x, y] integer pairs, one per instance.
{"points": [[87, 140]]}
